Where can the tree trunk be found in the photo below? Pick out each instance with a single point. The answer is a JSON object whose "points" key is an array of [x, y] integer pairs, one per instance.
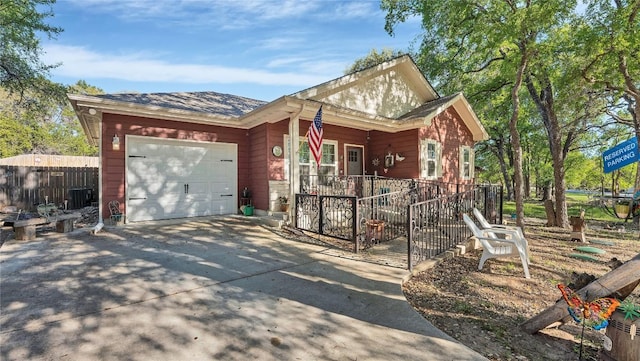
{"points": [[550, 210], [547, 190], [500, 153], [515, 141], [545, 104]]}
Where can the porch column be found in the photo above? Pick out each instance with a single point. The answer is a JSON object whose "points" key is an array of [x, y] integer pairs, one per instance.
{"points": [[294, 160]]}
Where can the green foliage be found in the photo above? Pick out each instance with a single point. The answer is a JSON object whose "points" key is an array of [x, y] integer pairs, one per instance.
{"points": [[15, 137], [575, 204], [22, 73], [372, 59], [580, 70], [51, 128]]}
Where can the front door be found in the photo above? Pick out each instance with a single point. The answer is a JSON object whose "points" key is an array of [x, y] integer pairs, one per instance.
{"points": [[354, 161]]}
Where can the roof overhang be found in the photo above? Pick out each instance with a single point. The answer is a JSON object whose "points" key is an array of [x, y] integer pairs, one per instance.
{"points": [[90, 109], [461, 106]]}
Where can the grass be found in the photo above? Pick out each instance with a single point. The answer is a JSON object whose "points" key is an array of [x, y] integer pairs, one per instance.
{"points": [[575, 203]]}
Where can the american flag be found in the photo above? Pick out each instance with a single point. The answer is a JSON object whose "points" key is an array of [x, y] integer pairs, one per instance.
{"points": [[315, 137]]}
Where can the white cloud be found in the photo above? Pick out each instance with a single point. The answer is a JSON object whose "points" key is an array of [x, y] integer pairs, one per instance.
{"points": [[225, 14], [78, 62], [352, 10]]}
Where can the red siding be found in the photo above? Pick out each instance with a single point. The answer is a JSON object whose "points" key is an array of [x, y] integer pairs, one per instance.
{"points": [[403, 143], [276, 137], [259, 153], [113, 162], [449, 129], [344, 136]]}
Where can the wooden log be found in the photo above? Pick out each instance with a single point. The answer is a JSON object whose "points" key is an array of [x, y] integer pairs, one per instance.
{"points": [[611, 282], [64, 222], [30, 222], [64, 225], [26, 229], [25, 233], [578, 227]]}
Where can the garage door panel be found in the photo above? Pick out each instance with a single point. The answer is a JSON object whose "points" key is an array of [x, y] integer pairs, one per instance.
{"points": [[172, 179], [198, 207], [147, 210], [199, 189], [221, 206], [199, 171]]}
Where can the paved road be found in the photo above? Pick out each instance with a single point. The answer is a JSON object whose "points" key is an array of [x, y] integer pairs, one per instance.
{"points": [[220, 288]]}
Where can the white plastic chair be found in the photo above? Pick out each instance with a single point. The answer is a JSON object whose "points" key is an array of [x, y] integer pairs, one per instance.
{"points": [[494, 247], [486, 225]]}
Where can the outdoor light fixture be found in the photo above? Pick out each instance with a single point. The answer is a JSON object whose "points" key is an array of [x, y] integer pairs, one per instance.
{"points": [[115, 142]]}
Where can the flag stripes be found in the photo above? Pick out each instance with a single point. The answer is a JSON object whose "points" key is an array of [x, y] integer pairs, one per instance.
{"points": [[315, 137]]}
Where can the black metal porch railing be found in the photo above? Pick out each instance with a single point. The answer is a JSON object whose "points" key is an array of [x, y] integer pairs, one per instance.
{"points": [[333, 216], [368, 186], [436, 225], [381, 218], [369, 210]]}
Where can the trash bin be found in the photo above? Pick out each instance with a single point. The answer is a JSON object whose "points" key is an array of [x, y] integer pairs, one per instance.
{"points": [[248, 210]]}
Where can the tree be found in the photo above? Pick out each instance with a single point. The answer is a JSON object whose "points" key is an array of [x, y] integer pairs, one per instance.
{"points": [[491, 50], [527, 47], [21, 70], [610, 35], [372, 59], [40, 130]]}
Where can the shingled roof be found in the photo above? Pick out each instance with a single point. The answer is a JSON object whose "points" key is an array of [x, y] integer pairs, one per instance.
{"points": [[201, 102], [427, 108]]}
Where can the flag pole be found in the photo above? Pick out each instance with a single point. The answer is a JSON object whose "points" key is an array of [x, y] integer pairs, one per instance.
{"points": [[302, 141]]}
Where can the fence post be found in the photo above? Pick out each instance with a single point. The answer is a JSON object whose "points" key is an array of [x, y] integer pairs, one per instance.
{"points": [[409, 237], [354, 222], [501, 204], [320, 214], [296, 198]]}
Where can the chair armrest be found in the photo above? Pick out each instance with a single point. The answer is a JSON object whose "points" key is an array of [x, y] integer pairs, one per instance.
{"points": [[511, 228], [509, 232], [500, 240]]}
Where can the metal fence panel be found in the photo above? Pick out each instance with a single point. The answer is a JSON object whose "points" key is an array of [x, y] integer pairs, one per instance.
{"points": [[436, 225]]}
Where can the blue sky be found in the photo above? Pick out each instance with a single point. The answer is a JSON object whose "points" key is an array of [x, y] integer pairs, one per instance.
{"points": [[258, 49]]}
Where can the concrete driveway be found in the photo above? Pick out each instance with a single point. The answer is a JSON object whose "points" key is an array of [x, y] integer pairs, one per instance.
{"points": [[219, 288]]}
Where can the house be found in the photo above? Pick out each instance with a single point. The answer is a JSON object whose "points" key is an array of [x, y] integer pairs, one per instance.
{"points": [[174, 155]]}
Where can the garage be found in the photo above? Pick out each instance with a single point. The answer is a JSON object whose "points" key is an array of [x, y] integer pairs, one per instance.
{"points": [[167, 178]]}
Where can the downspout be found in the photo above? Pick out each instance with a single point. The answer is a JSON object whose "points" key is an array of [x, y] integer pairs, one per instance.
{"points": [[100, 224]]}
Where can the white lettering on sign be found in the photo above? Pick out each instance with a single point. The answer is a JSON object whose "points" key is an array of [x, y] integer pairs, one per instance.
{"points": [[618, 152], [611, 163]]}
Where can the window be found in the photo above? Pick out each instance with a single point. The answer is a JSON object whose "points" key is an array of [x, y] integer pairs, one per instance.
{"points": [[431, 159], [353, 156], [466, 163], [328, 162]]}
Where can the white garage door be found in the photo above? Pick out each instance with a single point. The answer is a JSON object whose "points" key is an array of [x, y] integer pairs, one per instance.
{"points": [[176, 179]]}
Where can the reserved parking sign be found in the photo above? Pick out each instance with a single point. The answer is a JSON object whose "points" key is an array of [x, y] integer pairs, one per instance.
{"points": [[622, 154]]}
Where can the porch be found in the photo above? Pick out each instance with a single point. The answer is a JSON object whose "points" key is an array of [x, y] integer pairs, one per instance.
{"points": [[371, 210]]}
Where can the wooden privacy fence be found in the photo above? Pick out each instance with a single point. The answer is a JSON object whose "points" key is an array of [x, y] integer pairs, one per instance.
{"points": [[26, 187]]}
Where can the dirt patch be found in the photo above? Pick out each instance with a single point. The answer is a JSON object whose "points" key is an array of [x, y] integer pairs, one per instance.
{"points": [[484, 309]]}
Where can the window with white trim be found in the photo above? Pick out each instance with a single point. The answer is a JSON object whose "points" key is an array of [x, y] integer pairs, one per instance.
{"points": [[430, 159], [328, 162], [466, 162]]}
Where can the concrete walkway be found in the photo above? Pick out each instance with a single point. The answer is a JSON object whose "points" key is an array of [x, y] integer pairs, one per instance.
{"points": [[219, 288]]}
